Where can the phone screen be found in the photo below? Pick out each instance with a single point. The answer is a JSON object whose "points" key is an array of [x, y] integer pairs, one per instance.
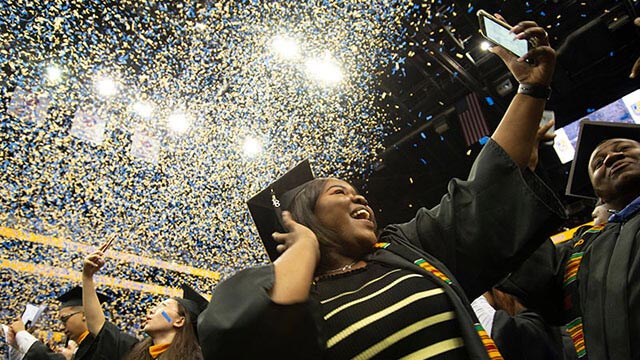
{"points": [[501, 36]]}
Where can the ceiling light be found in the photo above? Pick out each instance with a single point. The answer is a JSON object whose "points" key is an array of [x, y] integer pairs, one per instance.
{"points": [[324, 70], [285, 47], [178, 122], [106, 86]]}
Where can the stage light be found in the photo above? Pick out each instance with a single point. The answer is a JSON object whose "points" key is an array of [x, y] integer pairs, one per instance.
{"points": [[485, 45], [325, 70], [285, 47], [54, 73], [251, 146], [106, 86], [178, 122], [143, 109]]}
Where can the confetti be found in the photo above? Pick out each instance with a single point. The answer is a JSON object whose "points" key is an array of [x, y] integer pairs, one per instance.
{"points": [[82, 160], [129, 119]]}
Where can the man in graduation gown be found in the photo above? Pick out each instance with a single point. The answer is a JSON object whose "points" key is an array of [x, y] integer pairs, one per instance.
{"points": [[591, 284], [73, 320]]}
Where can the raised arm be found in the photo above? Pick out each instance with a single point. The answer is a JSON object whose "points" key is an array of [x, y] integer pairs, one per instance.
{"points": [[92, 309], [294, 269], [516, 133]]}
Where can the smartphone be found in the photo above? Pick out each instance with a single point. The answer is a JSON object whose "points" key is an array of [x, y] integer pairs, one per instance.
{"points": [[497, 32], [108, 243]]}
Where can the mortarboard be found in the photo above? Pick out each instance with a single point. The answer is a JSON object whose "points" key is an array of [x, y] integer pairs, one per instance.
{"points": [[266, 206], [592, 134], [193, 302], [73, 297]]}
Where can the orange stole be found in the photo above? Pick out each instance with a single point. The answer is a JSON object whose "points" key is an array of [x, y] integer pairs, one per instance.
{"points": [[82, 337], [157, 350]]}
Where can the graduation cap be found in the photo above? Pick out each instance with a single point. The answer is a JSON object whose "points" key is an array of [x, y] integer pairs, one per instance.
{"points": [[592, 134], [266, 207], [73, 297], [193, 302]]}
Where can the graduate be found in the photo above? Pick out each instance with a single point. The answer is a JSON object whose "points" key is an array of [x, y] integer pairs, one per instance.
{"points": [[170, 325], [591, 283], [340, 291], [72, 317]]}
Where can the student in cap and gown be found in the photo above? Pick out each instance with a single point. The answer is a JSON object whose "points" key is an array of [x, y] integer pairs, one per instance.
{"points": [[171, 324], [339, 291], [591, 283], [72, 316]]}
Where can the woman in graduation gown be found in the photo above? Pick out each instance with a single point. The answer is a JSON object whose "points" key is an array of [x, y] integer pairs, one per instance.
{"points": [[169, 324], [339, 291]]}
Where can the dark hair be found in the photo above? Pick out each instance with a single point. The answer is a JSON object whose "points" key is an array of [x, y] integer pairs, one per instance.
{"points": [[302, 210], [184, 346]]}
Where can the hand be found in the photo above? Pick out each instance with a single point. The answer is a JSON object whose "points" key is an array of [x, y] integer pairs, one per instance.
{"points": [[67, 351], [17, 325], [11, 338], [541, 136], [294, 270], [92, 264], [539, 73], [506, 302], [298, 235]]}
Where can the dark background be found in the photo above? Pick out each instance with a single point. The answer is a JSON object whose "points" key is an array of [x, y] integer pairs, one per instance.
{"points": [[597, 45]]}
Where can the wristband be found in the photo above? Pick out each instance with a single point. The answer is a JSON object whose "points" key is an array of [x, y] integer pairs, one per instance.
{"points": [[536, 91]]}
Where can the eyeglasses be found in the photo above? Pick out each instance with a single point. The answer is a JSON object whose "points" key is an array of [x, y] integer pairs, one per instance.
{"points": [[66, 318]]}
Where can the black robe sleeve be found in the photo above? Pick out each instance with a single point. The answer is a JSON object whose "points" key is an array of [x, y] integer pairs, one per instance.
{"points": [[526, 337], [241, 322], [538, 282], [112, 343], [485, 226], [39, 351]]}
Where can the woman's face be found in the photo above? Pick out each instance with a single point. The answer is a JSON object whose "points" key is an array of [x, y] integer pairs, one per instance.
{"points": [[163, 317], [341, 209]]}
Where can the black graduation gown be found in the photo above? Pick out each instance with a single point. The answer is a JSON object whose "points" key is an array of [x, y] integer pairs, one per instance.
{"points": [[39, 351], [86, 349], [483, 228], [601, 301], [112, 343]]}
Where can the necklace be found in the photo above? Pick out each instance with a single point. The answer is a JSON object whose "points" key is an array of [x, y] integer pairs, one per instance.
{"points": [[340, 269]]}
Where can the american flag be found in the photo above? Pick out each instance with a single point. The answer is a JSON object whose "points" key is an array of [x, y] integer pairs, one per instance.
{"points": [[472, 120]]}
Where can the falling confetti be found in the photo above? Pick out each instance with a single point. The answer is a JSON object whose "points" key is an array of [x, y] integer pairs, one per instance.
{"points": [[131, 118], [81, 161]]}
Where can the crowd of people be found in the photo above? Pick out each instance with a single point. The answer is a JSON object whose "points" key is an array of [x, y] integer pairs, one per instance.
{"points": [[341, 289]]}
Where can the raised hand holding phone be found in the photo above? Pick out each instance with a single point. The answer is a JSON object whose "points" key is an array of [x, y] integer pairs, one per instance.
{"points": [[92, 263], [540, 71]]}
